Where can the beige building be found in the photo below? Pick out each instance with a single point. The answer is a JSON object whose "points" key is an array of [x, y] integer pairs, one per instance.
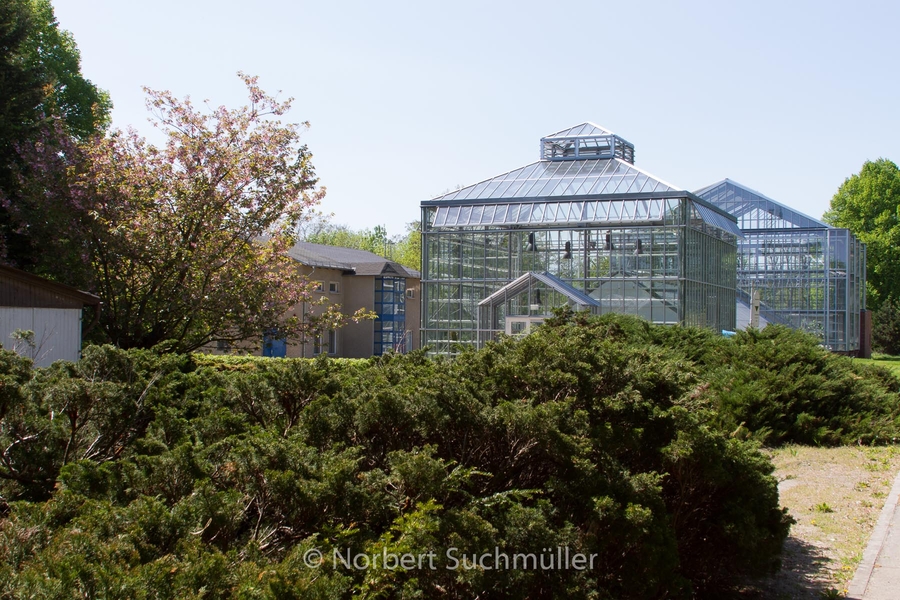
{"points": [[356, 279]]}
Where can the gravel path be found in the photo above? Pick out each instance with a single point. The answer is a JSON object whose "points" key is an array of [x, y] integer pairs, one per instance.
{"points": [[836, 496]]}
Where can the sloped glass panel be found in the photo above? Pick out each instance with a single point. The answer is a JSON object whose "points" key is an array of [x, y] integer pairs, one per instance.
{"points": [[575, 184], [530, 187], [464, 193], [611, 184], [639, 182], [550, 213], [583, 129], [504, 188], [586, 185], [518, 179], [453, 215], [524, 213], [547, 181], [537, 213], [489, 188], [477, 190], [598, 185], [622, 169], [464, 214], [561, 187], [640, 210], [624, 186], [476, 215], [488, 214], [500, 214]]}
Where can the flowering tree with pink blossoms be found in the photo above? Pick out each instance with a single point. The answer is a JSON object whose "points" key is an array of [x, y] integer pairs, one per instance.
{"points": [[186, 243]]}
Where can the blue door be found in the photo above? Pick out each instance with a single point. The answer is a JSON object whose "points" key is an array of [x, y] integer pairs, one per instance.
{"points": [[273, 346]]}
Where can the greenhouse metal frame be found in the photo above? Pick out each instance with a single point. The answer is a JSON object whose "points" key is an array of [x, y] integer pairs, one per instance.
{"points": [[809, 276], [585, 222]]}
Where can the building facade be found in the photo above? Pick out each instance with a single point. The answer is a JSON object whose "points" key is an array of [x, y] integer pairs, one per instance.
{"points": [[582, 226], [807, 275], [354, 279]]}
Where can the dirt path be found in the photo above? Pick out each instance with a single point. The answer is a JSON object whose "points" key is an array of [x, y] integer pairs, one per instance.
{"points": [[835, 495]]}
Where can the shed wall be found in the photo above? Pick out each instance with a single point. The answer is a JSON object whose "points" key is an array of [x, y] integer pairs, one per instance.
{"points": [[57, 332]]}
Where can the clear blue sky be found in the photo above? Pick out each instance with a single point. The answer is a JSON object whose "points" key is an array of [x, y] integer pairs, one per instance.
{"points": [[408, 100]]}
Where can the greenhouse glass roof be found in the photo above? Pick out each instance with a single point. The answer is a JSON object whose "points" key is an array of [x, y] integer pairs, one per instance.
{"points": [[547, 179], [755, 211], [585, 129], [606, 211], [521, 284], [586, 175]]}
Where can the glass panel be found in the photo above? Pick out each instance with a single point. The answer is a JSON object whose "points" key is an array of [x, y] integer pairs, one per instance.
{"points": [[524, 213], [624, 185], [641, 210]]}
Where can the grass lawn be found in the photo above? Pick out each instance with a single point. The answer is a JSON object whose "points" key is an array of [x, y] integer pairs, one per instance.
{"points": [[891, 363]]}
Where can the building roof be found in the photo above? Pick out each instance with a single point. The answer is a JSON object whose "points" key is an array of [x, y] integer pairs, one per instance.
{"points": [[522, 283], [552, 179], [51, 287], [586, 175], [585, 129], [755, 211], [349, 260]]}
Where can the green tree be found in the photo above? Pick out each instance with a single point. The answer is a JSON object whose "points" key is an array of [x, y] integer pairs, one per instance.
{"points": [[46, 103], [408, 249], [371, 240], [67, 93], [405, 249], [20, 79], [868, 204], [886, 327]]}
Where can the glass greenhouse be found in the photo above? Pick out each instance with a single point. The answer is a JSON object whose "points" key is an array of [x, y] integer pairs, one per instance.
{"points": [[582, 227], [809, 276]]}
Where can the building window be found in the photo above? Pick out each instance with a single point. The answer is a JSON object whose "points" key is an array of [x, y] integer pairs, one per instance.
{"points": [[410, 293], [333, 287], [325, 343], [319, 286], [390, 308]]}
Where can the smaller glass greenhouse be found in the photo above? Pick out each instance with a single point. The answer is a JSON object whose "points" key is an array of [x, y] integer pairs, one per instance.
{"points": [[809, 275]]}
